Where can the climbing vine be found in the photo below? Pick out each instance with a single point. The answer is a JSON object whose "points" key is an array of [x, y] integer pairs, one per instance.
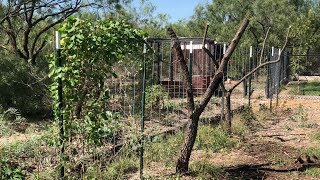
{"points": [[89, 51]]}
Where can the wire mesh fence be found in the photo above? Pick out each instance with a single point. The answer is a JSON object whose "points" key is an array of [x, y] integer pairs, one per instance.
{"points": [[165, 105]]}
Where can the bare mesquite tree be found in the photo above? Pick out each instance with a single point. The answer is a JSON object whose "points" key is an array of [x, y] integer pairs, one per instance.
{"points": [[194, 112], [228, 116], [24, 23]]}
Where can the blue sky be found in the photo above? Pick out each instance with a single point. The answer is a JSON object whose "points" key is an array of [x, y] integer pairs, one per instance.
{"points": [[176, 9]]}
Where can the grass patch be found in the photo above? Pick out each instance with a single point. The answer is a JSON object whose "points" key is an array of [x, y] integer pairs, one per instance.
{"points": [[15, 156], [244, 121], [26, 149], [9, 171], [163, 150], [214, 139], [315, 172], [118, 169], [315, 136], [206, 170], [277, 160], [299, 115], [310, 88], [239, 127], [311, 151], [45, 175]]}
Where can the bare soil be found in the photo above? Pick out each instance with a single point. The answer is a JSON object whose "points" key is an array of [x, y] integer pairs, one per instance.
{"points": [[271, 152]]}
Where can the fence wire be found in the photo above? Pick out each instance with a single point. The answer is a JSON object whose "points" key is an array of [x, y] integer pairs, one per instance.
{"points": [[165, 104]]}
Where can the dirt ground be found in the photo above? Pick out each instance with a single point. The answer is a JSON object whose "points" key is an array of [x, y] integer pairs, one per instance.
{"points": [[271, 152]]}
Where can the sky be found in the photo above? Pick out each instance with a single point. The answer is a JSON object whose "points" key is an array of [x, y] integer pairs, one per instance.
{"points": [[176, 9]]}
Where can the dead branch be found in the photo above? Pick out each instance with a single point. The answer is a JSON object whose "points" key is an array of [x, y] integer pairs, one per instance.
{"points": [[219, 73], [216, 64], [263, 45], [262, 65], [184, 67], [205, 35]]}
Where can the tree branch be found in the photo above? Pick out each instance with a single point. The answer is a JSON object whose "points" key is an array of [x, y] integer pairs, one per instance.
{"points": [[184, 67], [219, 73], [261, 65], [263, 45], [26, 13], [216, 64]]}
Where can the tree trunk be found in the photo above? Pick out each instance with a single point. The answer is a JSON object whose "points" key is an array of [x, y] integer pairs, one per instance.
{"points": [[194, 113], [185, 152], [228, 115]]}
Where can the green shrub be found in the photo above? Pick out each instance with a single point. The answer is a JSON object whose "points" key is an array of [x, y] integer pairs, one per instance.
{"points": [[155, 96], [8, 172]]}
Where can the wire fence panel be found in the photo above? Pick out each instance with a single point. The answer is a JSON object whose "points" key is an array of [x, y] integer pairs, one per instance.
{"points": [[165, 103]]}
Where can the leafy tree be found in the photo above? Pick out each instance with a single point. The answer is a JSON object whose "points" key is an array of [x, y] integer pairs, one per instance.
{"points": [[305, 37], [225, 15], [26, 23], [26, 29], [90, 49]]}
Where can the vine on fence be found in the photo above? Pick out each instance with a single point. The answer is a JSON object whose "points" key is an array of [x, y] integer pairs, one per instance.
{"points": [[89, 51]]}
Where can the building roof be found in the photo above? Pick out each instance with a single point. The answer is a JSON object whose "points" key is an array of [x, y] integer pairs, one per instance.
{"points": [[195, 40]]}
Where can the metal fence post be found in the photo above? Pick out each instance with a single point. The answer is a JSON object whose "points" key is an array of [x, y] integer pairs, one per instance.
{"points": [[61, 126], [222, 94], [250, 77], [270, 80], [143, 110], [190, 61], [278, 74]]}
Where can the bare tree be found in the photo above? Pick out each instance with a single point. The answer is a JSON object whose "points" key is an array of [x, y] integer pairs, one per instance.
{"points": [[25, 22], [228, 116], [194, 112]]}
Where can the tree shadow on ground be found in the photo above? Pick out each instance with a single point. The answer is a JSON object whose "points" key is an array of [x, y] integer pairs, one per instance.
{"points": [[260, 171]]}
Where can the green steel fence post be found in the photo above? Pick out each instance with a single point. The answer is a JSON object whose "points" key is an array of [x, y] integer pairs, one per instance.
{"points": [[222, 94], [61, 126], [143, 110]]}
